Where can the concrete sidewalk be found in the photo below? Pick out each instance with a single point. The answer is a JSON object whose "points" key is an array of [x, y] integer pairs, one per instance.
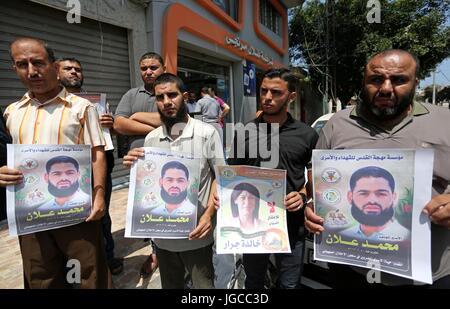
{"points": [[134, 252]]}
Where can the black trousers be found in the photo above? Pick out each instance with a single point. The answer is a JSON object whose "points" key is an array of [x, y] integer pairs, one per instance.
{"points": [[106, 220], [173, 266]]}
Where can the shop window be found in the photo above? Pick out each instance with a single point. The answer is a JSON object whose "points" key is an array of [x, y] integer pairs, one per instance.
{"points": [[269, 16], [229, 6]]}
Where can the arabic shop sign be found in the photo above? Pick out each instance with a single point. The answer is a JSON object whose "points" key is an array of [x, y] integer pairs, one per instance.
{"points": [[250, 50]]}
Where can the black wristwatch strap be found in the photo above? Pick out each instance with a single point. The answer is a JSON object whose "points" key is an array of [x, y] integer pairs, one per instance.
{"points": [[304, 198]]}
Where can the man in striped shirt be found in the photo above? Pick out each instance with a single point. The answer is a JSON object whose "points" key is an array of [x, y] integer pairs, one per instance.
{"points": [[49, 114]]}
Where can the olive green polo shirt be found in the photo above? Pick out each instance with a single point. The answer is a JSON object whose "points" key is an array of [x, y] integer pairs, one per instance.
{"points": [[428, 126]]}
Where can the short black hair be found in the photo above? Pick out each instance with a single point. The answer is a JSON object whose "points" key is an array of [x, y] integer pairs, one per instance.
{"points": [[284, 74], [169, 78], [237, 190], [392, 51], [372, 171], [61, 159], [152, 55], [50, 53], [71, 59], [174, 165], [205, 90]]}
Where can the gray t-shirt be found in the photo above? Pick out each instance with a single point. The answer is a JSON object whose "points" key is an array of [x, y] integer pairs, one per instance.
{"points": [[427, 127], [134, 101], [210, 109]]}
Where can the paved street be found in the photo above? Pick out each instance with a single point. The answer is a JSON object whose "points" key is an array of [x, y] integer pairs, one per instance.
{"points": [[134, 251]]}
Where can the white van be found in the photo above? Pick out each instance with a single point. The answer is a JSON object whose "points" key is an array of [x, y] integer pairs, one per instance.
{"points": [[321, 121]]}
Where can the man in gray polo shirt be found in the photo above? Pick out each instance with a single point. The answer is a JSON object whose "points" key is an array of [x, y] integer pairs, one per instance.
{"points": [[140, 99], [182, 133], [388, 117], [208, 106]]}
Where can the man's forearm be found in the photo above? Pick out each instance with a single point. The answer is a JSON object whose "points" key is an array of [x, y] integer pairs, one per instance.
{"points": [[127, 126], [226, 110], [149, 118], [211, 210]]}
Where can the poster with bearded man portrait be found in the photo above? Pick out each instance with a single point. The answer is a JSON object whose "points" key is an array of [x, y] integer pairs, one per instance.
{"points": [[371, 203], [56, 187], [163, 195]]}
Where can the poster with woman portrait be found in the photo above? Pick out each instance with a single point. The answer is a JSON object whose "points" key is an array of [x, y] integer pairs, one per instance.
{"points": [[56, 187], [252, 215], [163, 195], [371, 202]]}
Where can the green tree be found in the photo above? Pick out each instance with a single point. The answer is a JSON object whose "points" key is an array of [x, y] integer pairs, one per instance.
{"points": [[428, 93], [414, 25]]}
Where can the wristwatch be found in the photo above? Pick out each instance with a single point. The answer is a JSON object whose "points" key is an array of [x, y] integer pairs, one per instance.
{"points": [[304, 198]]}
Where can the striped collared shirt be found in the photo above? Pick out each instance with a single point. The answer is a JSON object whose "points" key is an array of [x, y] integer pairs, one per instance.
{"points": [[66, 120]]}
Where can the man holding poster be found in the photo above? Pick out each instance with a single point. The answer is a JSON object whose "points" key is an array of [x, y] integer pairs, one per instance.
{"points": [[49, 115], [388, 117], [288, 145], [183, 134]]}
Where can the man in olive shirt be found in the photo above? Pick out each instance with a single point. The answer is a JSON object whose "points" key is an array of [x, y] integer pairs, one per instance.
{"points": [[388, 117]]}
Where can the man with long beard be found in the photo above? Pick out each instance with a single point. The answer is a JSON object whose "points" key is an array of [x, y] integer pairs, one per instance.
{"points": [[388, 117], [174, 182], [182, 133], [63, 174], [372, 196]]}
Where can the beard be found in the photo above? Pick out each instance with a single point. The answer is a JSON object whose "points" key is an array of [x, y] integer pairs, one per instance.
{"points": [[56, 192], [71, 83], [173, 199], [169, 122], [371, 219], [386, 113]]}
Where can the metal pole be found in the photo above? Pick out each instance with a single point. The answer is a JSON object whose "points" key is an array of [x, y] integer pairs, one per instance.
{"points": [[434, 88]]}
